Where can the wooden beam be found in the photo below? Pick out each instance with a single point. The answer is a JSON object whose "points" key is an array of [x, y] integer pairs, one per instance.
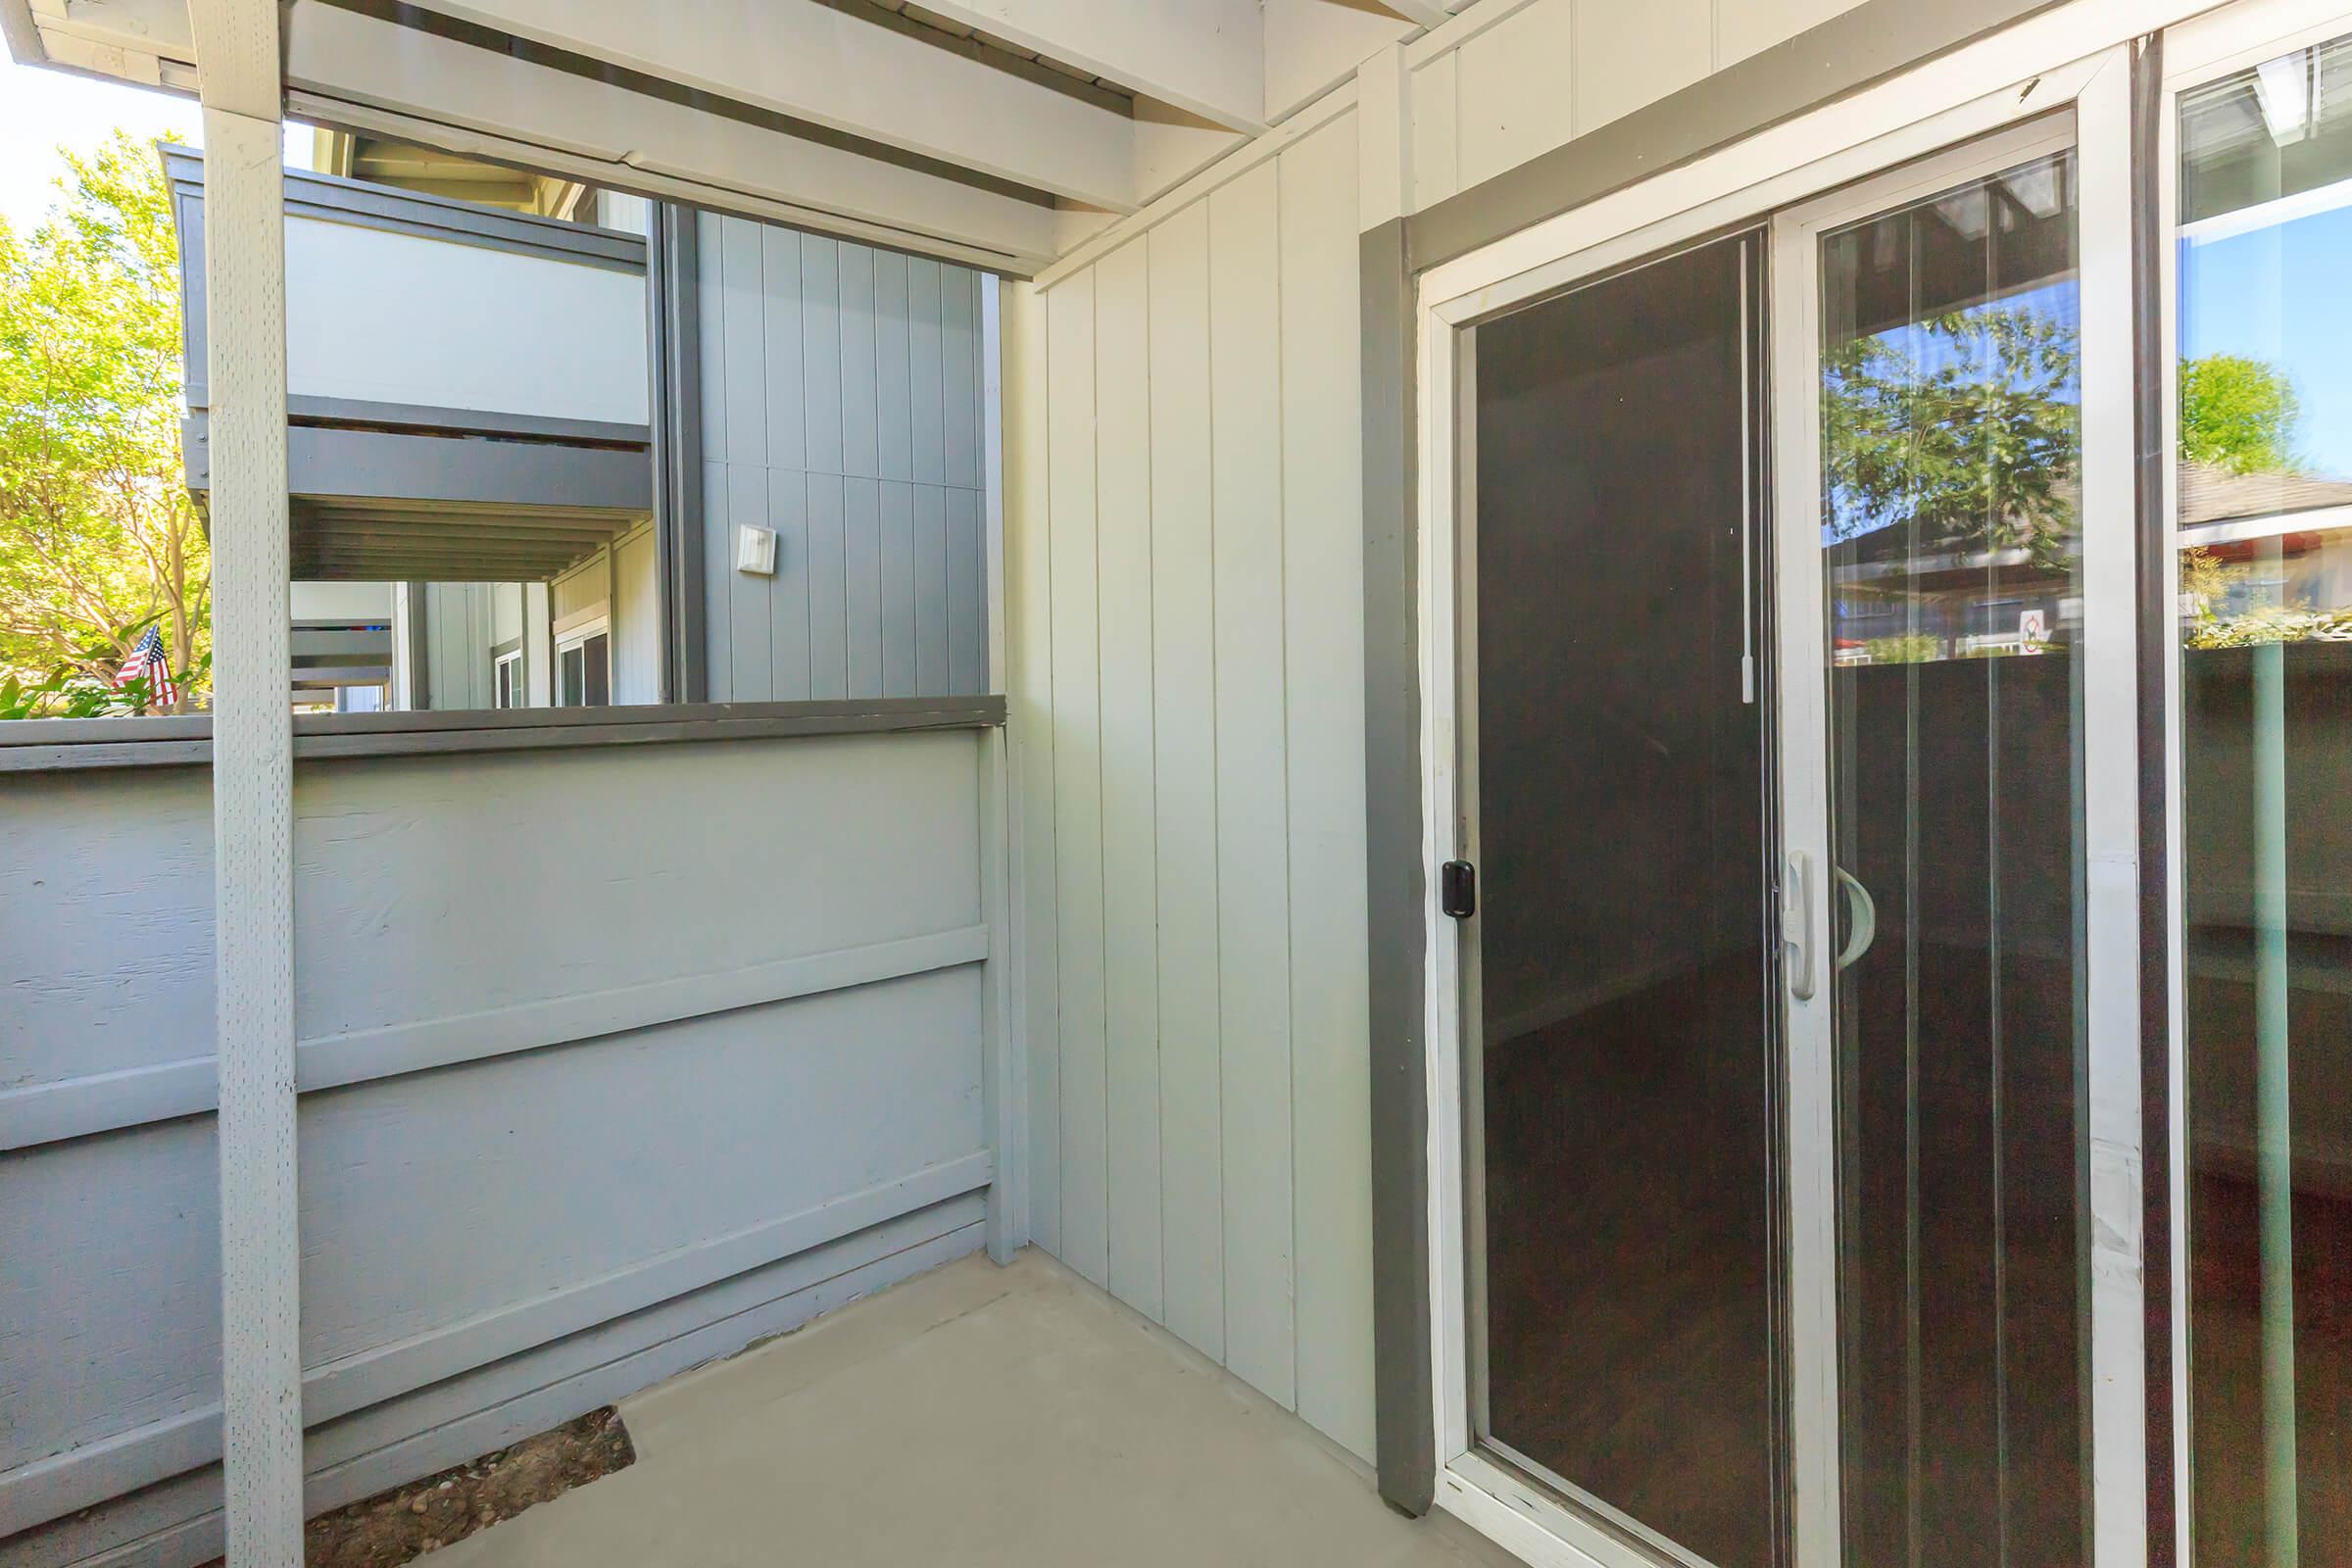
{"points": [[253, 782], [363, 72], [1205, 57], [835, 69], [1427, 12]]}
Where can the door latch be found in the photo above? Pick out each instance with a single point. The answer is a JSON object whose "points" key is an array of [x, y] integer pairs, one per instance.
{"points": [[1458, 889]]}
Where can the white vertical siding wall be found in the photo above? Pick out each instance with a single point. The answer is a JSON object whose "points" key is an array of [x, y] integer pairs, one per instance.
{"points": [[1185, 544], [1187, 625], [1503, 81]]}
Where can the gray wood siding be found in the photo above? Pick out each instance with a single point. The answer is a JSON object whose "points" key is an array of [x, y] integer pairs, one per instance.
{"points": [[840, 407], [1185, 552], [570, 1122]]}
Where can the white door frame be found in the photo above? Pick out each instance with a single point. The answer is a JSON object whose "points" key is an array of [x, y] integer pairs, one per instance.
{"points": [[2073, 56], [2109, 760]]}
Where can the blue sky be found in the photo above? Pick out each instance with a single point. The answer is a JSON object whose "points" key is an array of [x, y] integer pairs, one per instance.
{"points": [[40, 107], [2283, 295]]}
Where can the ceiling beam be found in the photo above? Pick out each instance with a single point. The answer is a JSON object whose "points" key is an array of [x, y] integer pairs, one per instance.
{"points": [[1205, 57], [848, 74], [358, 71]]}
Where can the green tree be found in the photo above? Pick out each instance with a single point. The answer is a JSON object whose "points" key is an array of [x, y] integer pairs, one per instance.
{"points": [[1967, 430], [2238, 413], [98, 535]]}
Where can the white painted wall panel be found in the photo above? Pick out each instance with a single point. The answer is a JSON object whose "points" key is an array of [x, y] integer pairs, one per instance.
{"points": [[1252, 813], [1742, 28], [1323, 728], [636, 621], [1192, 1195], [1626, 56], [1076, 675], [1124, 403], [1513, 93], [396, 318], [1193, 842], [1542, 72]]}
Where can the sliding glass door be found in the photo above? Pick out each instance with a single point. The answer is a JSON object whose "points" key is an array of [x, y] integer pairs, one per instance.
{"points": [[1939, 946], [1624, 1084], [1785, 797]]}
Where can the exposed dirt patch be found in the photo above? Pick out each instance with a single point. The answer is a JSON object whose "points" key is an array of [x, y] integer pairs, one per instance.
{"points": [[393, 1527]]}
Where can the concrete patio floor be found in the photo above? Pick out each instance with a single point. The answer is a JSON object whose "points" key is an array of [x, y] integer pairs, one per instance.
{"points": [[972, 1415]]}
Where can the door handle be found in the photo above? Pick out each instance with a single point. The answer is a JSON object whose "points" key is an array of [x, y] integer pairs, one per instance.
{"points": [[1864, 929], [1796, 923]]}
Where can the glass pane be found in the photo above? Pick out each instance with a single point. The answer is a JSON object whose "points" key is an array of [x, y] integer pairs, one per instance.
{"points": [[599, 651], [1952, 477], [1627, 1060], [2266, 320], [2265, 605]]}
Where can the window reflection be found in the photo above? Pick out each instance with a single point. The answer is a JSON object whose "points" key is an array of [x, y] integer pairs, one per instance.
{"points": [[1951, 416], [2264, 513], [1951, 404]]}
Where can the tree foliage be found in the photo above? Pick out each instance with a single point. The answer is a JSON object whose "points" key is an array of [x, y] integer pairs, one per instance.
{"points": [[98, 535], [2238, 413], [1963, 432]]}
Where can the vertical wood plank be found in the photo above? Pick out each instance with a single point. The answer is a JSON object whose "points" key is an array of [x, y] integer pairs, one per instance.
{"points": [[752, 612], [820, 353], [960, 373], [828, 589], [253, 803], [711, 326], [1323, 575], [862, 546], [893, 418], [1185, 717], [1627, 56], [967, 595], [718, 579], [925, 382], [773, 321], [1253, 981], [898, 589], [930, 589], [743, 314], [790, 590], [1123, 393], [859, 403], [1077, 776], [1029, 728]]}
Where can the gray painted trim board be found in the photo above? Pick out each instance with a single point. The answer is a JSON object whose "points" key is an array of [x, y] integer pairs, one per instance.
{"points": [[77, 1107], [675, 302], [1395, 891], [62, 744], [418, 465], [431, 419], [1849, 51]]}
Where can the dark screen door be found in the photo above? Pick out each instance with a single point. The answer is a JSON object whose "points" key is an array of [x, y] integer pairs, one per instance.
{"points": [[1625, 1087]]}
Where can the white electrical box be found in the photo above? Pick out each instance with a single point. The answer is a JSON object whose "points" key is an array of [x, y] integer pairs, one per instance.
{"points": [[755, 551]]}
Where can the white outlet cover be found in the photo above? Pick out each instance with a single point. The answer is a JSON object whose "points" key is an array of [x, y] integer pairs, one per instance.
{"points": [[755, 551]]}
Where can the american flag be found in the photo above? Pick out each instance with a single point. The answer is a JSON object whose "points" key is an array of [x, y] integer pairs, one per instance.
{"points": [[147, 660]]}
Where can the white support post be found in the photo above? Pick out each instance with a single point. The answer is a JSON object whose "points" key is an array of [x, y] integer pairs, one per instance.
{"points": [[1008, 1087], [253, 778]]}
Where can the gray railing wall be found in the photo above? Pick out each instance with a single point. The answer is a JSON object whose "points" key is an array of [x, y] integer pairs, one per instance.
{"points": [[840, 407], [613, 1059]]}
